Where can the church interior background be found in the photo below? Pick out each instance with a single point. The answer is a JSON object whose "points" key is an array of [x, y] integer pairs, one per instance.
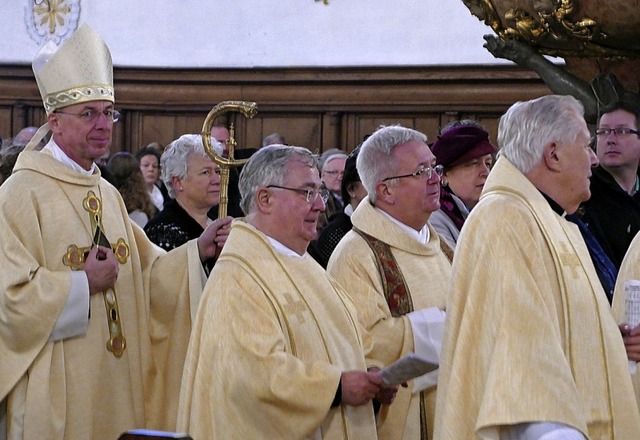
{"points": [[323, 74]]}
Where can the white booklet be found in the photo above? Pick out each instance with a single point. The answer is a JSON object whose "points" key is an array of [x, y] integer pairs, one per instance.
{"points": [[406, 368]]}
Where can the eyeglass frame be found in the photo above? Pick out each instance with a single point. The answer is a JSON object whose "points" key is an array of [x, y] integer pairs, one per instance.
{"points": [[308, 193], [438, 169], [618, 131], [333, 173], [86, 115]]}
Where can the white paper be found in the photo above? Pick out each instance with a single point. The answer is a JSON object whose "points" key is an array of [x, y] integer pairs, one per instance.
{"points": [[632, 310], [405, 369]]}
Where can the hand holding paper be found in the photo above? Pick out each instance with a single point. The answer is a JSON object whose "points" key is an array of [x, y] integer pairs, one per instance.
{"points": [[405, 369]]}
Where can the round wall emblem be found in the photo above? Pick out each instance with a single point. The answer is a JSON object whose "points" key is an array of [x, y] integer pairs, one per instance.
{"points": [[51, 20]]}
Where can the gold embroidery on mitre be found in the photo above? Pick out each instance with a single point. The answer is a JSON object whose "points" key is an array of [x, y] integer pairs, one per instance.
{"points": [[80, 70], [78, 95]]}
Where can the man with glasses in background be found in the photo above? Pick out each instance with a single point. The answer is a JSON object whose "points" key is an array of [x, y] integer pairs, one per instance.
{"points": [[613, 211], [393, 266], [276, 350], [94, 318], [332, 164]]}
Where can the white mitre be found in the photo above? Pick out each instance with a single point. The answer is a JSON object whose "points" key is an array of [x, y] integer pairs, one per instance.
{"points": [[80, 70]]}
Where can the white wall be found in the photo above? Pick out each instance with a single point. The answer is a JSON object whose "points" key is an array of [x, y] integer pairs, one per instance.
{"points": [[268, 33]]}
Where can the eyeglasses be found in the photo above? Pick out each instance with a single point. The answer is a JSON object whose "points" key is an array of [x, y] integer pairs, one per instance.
{"points": [[310, 194], [91, 116], [620, 131], [422, 173], [333, 173]]}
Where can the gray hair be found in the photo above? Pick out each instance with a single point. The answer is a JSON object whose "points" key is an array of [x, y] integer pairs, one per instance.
{"points": [[268, 167], [176, 157], [374, 162], [330, 155], [528, 126], [273, 139]]}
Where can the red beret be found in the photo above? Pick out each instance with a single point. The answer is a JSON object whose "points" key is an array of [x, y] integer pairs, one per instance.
{"points": [[460, 144]]}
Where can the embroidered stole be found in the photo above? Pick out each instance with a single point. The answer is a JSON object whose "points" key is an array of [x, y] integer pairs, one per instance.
{"points": [[396, 293]]}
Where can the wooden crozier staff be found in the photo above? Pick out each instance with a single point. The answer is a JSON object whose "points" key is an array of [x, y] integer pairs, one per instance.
{"points": [[249, 110]]}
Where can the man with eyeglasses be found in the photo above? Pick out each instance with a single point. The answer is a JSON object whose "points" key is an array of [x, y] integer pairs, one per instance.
{"points": [[277, 352], [94, 318], [332, 164], [393, 266], [613, 211], [531, 350]]}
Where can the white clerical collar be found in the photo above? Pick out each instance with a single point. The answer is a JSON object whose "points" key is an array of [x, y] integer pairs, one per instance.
{"points": [[61, 156], [422, 235], [348, 210], [282, 248]]}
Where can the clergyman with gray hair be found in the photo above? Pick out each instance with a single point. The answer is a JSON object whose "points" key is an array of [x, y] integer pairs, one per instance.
{"points": [[393, 266], [531, 349], [276, 350]]}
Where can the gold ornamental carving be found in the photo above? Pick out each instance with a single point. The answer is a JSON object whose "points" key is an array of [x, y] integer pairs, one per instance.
{"points": [[553, 27]]}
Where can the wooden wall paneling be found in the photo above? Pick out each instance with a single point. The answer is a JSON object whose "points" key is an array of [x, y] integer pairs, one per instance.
{"points": [[331, 134], [6, 122], [315, 107], [429, 124], [252, 135], [118, 137], [301, 128]]}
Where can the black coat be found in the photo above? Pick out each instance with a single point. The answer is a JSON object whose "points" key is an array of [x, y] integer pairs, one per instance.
{"points": [[612, 215]]}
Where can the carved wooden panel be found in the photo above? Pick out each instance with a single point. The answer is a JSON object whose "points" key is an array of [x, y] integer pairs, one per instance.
{"points": [[319, 108]]}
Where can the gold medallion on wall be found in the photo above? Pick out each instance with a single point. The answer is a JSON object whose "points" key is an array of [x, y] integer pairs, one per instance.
{"points": [[51, 20]]}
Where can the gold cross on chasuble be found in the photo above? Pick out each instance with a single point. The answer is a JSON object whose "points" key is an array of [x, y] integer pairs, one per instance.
{"points": [[75, 258], [570, 259], [294, 307]]}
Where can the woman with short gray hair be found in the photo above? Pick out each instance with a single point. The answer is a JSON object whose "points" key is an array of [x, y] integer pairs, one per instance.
{"points": [[193, 183]]}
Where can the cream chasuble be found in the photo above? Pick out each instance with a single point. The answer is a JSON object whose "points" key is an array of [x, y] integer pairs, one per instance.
{"points": [[529, 334], [426, 272], [629, 270], [74, 388], [272, 336]]}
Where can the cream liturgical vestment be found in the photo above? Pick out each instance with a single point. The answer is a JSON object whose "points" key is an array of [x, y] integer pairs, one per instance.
{"points": [[74, 388], [529, 334], [629, 270], [426, 271], [272, 336]]}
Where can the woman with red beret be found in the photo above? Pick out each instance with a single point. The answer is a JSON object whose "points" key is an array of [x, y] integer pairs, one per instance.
{"points": [[467, 155]]}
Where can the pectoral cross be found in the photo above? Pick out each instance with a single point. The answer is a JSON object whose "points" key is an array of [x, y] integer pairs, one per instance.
{"points": [[75, 258]]}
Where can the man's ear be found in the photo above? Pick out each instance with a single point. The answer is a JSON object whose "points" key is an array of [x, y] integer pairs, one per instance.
{"points": [[385, 193], [264, 201], [54, 124], [175, 183], [551, 157]]}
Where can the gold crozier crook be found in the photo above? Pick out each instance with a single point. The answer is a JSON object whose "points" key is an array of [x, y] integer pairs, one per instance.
{"points": [[249, 110]]}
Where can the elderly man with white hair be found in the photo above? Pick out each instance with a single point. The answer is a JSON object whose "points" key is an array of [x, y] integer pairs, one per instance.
{"points": [[531, 350]]}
